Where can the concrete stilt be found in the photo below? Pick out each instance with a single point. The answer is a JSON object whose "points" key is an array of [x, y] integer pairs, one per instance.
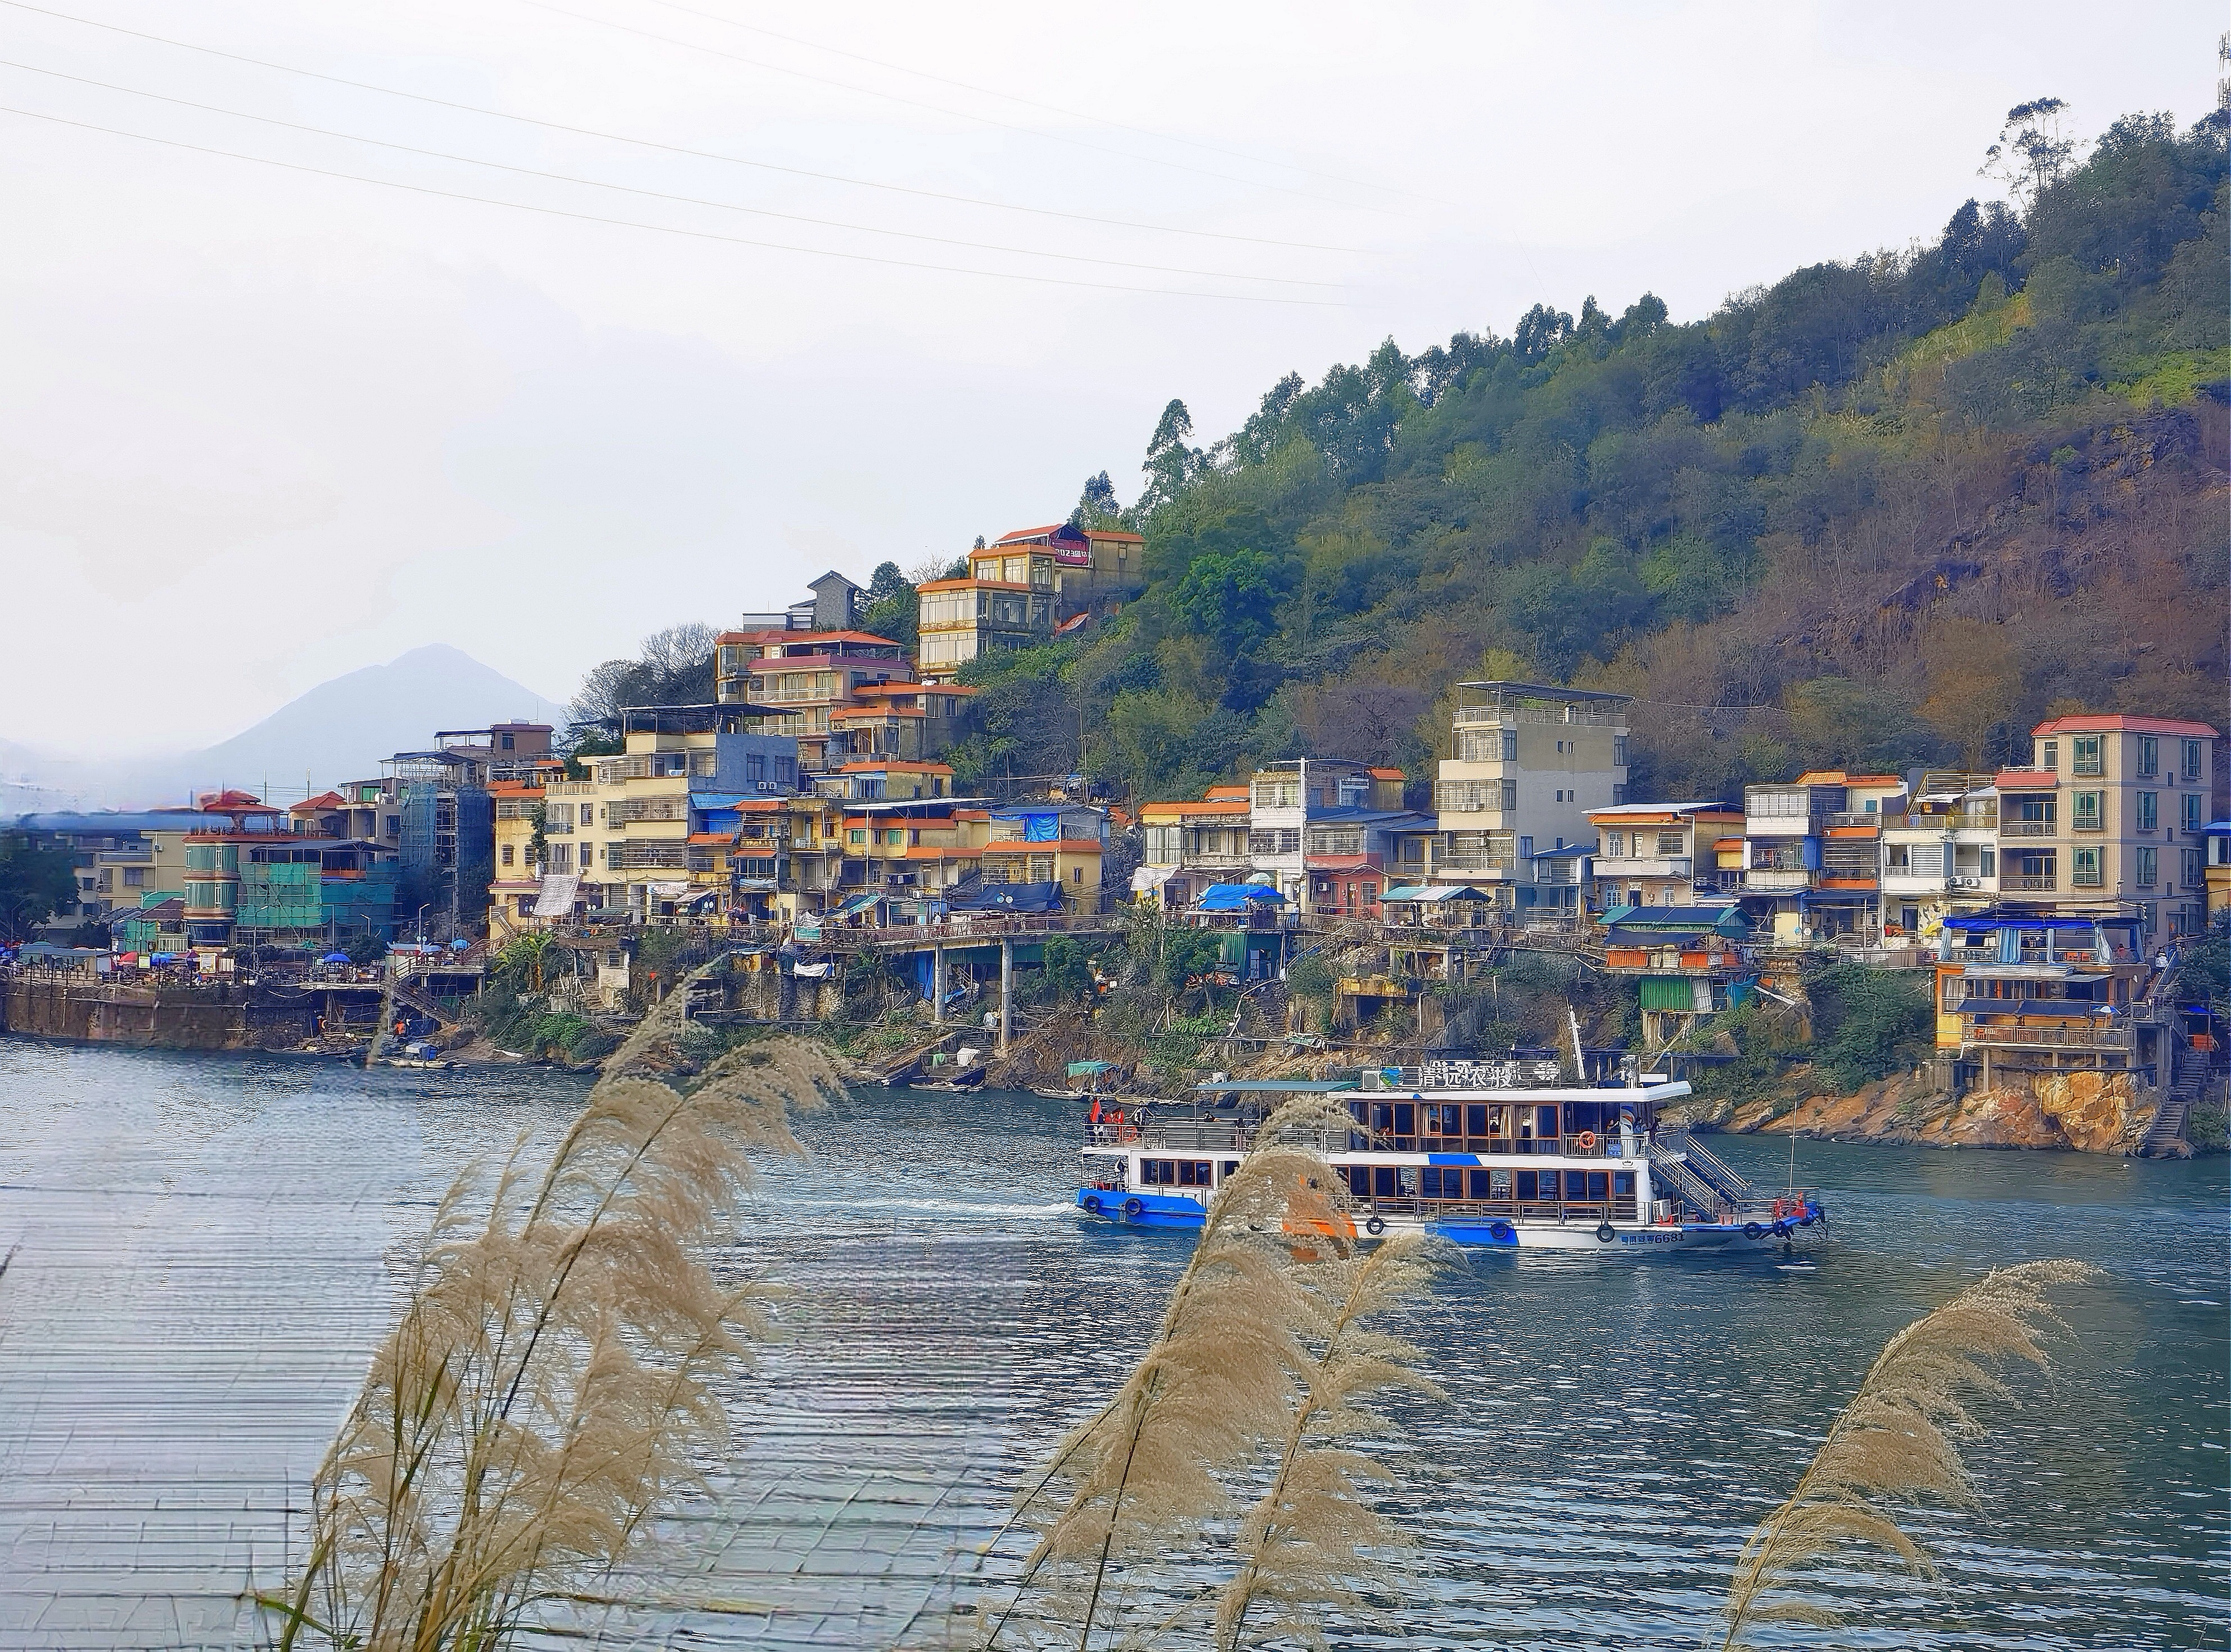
{"points": [[937, 986], [1007, 991]]}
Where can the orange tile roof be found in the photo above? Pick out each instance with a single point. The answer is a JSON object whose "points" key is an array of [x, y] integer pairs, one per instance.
{"points": [[324, 800], [1388, 774], [2024, 780], [2121, 724], [711, 837], [1114, 534], [1226, 791]]}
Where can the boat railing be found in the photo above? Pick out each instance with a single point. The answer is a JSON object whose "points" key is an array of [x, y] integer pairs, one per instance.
{"points": [[1570, 1213]]}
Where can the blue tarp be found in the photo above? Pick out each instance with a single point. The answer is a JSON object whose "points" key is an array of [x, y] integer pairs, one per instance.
{"points": [[1235, 897], [1004, 897]]}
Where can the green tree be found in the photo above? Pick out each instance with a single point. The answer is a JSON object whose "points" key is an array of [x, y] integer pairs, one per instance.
{"points": [[890, 609], [2033, 150], [1096, 506], [34, 884], [1170, 464], [1231, 597]]}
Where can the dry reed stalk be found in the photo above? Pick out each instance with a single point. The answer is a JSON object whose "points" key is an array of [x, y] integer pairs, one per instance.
{"points": [[549, 1384], [1313, 1540], [1225, 1378], [1896, 1440]]}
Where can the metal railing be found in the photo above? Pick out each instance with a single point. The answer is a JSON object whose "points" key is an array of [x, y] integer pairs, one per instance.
{"points": [[2029, 882], [2027, 828]]}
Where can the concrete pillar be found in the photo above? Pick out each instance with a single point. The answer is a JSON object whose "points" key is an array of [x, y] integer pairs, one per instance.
{"points": [[1006, 991], [937, 986]]}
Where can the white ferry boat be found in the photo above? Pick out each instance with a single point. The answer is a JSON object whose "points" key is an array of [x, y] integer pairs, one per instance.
{"points": [[1469, 1151]]}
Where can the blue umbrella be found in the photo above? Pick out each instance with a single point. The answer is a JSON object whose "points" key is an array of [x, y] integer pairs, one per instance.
{"points": [[334, 958]]}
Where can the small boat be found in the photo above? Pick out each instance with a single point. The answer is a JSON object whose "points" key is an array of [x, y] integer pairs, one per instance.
{"points": [[1504, 1166]]}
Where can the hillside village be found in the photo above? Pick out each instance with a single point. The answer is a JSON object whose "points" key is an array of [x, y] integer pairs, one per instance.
{"points": [[804, 828]]}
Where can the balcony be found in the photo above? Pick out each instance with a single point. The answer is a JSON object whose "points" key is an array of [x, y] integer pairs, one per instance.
{"points": [[1954, 820], [2028, 883], [1477, 864], [1859, 817], [1475, 716], [2027, 828], [1776, 878], [1659, 866]]}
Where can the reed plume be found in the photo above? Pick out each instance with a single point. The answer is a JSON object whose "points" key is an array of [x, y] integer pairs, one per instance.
{"points": [[549, 1384], [1896, 1439], [1225, 1379], [1313, 1540]]}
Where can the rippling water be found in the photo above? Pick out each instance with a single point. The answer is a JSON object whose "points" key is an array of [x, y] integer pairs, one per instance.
{"points": [[200, 1274]]}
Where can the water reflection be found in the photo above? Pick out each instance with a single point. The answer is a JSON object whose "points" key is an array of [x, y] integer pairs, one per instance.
{"points": [[202, 1272]]}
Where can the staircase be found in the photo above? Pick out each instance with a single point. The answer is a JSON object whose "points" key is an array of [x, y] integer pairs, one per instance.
{"points": [[2166, 1138], [1705, 1184], [1262, 1015]]}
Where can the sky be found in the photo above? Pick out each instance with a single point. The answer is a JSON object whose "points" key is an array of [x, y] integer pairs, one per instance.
{"points": [[634, 312]]}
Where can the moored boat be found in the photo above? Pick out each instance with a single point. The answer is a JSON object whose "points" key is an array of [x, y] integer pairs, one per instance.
{"points": [[1470, 1152]]}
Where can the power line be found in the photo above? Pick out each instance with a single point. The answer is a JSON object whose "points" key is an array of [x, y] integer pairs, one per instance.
{"points": [[1032, 103], [957, 114], [679, 149], [657, 195], [661, 228]]}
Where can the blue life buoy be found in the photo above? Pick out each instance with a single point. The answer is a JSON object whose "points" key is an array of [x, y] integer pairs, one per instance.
{"points": [[1091, 1204], [1134, 1208], [1375, 1226], [1605, 1233], [1752, 1230], [1782, 1231], [1501, 1232]]}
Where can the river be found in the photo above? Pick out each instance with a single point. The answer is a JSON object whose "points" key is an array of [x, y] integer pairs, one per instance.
{"points": [[199, 1270]]}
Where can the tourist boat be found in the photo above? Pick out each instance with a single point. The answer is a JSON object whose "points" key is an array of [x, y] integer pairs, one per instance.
{"points": [[1495, 1154]]}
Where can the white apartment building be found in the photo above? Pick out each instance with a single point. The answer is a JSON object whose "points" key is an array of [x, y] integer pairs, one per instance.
{"points": [[1530, 762]]}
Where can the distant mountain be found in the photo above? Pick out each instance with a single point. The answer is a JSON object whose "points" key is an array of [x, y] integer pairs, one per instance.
{"points": [[338, 731]]}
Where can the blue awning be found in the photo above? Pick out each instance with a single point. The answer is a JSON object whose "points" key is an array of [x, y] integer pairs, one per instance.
{"points": [[1235, 897], [1004, 897], [858, 903]]}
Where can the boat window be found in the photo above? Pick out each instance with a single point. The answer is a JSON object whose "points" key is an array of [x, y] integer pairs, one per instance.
{"points": [[1483, 1187], [1407, 1179], [1499, 1121], [1443, 1184], [1525, 1124], [1498, 1183], [1230, 1165], [1598, 1185], [1475, 1119], [1406, 1118], [1192, 1172], [1382, 1117], [1161, 1170], [1622, 1183], [1545, 1121], [1358, 1179], [1527, 1181], [1382, 1181]]}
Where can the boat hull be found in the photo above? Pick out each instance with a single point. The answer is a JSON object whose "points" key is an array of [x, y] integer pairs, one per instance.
{"points": [[1166, 1211]]}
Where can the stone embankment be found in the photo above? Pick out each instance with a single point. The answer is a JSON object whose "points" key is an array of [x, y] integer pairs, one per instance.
{"points": [[212, 1016], [2092, 1112]]}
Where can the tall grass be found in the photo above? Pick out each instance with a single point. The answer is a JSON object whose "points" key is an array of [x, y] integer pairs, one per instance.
{"points": [[549, 1386], [1257, 1375], [1897, 1441]]}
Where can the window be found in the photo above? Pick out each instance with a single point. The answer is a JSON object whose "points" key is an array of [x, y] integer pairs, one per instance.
{"points": [[2147, 861], [1615, 843], [2192, 759], [2087, 811], [1511, 745], [561, 857], [857, 837], [1988, 861], [2149, 811], [2192, 873], [1510, 794], [2088, 757], [506, 854], [1668, 843], [2192, 811], [2048, 756], [1618, 750], [1525, 849], [507, 743], [2087, 865], [2149, 755], [135, 877], [1618, 792]]}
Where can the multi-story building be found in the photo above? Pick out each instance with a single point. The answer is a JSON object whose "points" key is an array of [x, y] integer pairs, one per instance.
{"points": [[1288, 798], [1051, 842], [886, 780], [2022, 990], [2112, 813], [1528, 762], [2216, 869], [1349, 856], [798, 684], [1659, 855], [519, 807], [911, 722], [1940, 858], [628, 826], [1023, 590], [447, 846], [1812, 853], [1190, 845], [1688, 961]]}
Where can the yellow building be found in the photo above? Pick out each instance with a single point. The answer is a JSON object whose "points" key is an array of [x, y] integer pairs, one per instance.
{"points": [[1031, 585]]}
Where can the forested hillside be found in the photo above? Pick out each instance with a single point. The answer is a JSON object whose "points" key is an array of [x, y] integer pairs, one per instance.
{"points": [[1886, 511]]}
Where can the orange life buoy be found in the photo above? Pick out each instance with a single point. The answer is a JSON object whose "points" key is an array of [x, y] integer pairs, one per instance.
{"points": [[1586, 1141], [1127, 1133]]}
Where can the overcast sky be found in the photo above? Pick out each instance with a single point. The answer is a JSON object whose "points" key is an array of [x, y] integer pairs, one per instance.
{"points": [[262, 426]]}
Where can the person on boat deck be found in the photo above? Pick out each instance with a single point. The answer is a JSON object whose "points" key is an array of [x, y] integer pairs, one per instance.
{"points": [[1096, 1110]]}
